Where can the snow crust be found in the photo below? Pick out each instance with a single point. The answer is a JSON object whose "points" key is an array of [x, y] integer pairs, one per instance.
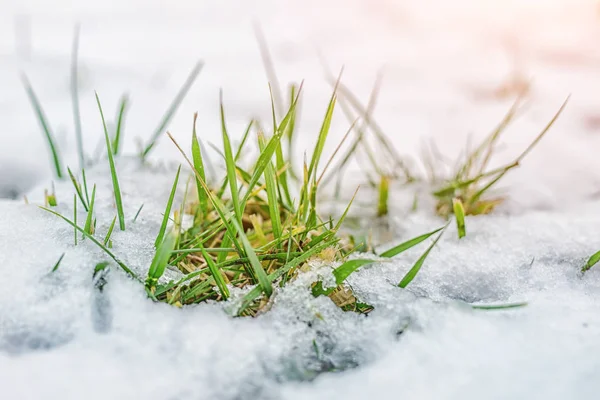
{"points": [[62, 338]]}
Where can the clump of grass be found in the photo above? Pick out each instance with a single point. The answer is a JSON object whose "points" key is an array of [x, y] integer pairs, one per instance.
{"points": [[468, 192], [246, 231]]}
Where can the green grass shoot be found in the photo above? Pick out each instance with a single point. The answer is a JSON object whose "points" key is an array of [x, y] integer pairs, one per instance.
{"points": [[593, 260], [167, 213], [160, 129], [384, 193], [199, 166], [459, 214], [498, 306], [43, 121], [107, 240], [113, 170], [116, 143], [55, 268], [137, 214], [77, 187], [89, 225], [412, 273]]}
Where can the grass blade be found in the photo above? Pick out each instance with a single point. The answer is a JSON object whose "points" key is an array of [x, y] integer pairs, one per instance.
{"points": [[394, 251], [459, 214], [37, 107], [165, 221], [161, 259], [271, 187], [120, 120], [88, 228], [216, 273], [199, 166], [173, 108], [77, 189], [593, 260], [497, 306], [58, 263], [384, 193], [231, 167], [138, 213], [342, 272], [417, 267], [113, 170], [110, 231]]}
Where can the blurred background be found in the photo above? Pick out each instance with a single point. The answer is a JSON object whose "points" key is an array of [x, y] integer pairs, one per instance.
{"points": [[449, 72]]}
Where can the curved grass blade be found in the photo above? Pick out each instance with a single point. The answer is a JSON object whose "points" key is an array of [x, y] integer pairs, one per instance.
{"points": [[394, 251], [417, 267], [497, 306], [173, 108], [113, 170], [37, 107], [165, 221]]}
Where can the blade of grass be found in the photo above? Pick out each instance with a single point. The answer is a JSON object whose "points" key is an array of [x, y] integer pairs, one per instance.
{"points": [[593, 260], [230, 164], [77, 188], [138, 213], [58, 263], [199, 166], [37, 107], [113, 170], [173, 108], [384, 192], [161, 258], [167, 213], [342, 272], [273, 202], [110, 231], [402, 247], [90, 215], [459, 214], [216, 273], [497, 306], [412, 273], [120, 119]]}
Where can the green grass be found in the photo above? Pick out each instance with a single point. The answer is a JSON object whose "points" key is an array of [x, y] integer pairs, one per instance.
{"points": [[43, 121], [116, 143], [113, 170]]}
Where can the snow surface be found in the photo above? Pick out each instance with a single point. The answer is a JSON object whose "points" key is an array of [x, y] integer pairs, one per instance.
{"points": [[442, 63]]}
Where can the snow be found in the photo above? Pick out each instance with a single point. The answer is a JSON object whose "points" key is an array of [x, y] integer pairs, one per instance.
{"points": [[62, 338]]}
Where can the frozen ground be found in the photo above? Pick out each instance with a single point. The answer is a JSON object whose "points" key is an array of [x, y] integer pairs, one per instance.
{"points": [[444, 63]]}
